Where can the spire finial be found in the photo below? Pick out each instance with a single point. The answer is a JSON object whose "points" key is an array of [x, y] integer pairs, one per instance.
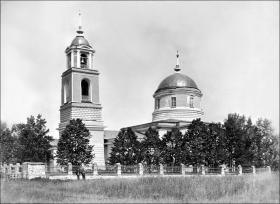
{"points": [[80, 31], [177, 68]]}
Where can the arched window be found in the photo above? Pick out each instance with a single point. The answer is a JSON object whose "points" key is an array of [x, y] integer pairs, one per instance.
{"points": [[85, 90], [84, 60]]}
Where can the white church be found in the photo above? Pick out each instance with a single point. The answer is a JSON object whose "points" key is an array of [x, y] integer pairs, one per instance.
{"points": [[177, 100]]}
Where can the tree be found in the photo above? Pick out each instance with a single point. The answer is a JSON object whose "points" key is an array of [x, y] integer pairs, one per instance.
{"points": [[73, 146], [266, 144], [196, 141], [9, 145], [237, 137], [173, 147], [215, 150], [151, 146], [126, 149], [34, 143]]}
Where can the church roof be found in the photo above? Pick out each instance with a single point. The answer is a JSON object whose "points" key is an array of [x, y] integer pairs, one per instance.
{"points": [[79, 40], [177, 80]]}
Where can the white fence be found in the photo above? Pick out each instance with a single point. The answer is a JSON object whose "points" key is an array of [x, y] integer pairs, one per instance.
{"points": [[29, 170]]}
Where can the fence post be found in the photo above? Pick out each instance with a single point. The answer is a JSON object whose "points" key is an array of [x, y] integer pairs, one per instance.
{"points": [[254, 169], [222, 170], [239, 169], [140, 169], [95, 171], [119, 169], [202, 169], [17, 170], [269, 169], [10, 170], [70, 172], [183, 170], [160, 169]]}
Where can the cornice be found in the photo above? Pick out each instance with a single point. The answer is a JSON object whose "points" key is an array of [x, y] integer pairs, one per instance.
{"points": [[80, 105], [80, 70], [173, 91]]}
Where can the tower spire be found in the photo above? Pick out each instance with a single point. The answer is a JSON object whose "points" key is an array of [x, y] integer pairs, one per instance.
{"points": [[177, 68], [80, 31]]}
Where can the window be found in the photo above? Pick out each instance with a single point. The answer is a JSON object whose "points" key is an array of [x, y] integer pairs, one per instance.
{"points": [[173, 102], [85, 90], [157, 103], [191, 102], [84, 60], [66, 95], [69, 60]]}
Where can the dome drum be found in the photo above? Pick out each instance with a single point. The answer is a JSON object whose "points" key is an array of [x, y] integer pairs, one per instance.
{"points": [[185, 114]]}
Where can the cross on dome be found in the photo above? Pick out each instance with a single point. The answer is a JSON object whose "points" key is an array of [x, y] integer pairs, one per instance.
{"points": [[80, 31], [177, 68]]}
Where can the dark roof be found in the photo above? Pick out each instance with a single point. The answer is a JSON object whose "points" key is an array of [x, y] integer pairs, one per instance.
{"points": [[177, 80], [79, 40], [165, 124]]}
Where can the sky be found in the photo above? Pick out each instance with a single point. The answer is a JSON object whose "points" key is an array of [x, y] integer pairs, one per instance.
{"points": [[230, 49]]}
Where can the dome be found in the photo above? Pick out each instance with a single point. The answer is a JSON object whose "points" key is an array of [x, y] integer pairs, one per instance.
{"points": [[79, 40], [177, 80]]}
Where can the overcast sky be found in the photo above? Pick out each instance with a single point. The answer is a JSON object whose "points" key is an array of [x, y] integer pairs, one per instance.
{"points": [[230, 49]]}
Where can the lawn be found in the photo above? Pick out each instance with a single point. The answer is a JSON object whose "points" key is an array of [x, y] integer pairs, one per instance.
{"points": [[261, 188]]}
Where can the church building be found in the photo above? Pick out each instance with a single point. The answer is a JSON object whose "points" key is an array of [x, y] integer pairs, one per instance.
{"points": [[177, 100]]}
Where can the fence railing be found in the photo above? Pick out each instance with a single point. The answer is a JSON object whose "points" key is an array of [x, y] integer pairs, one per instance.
{"points": [[130, 169], [151, 169], [107, 170], [169, 170], [211, 170], [32, 170]]}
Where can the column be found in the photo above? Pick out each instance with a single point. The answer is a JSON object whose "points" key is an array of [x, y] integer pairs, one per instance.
{"points": [[72, 59], [89, 60], [78, 59]]}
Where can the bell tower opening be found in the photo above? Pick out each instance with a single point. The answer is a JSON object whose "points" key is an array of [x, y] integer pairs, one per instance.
{"points": [[84, 60], [85, 90]]}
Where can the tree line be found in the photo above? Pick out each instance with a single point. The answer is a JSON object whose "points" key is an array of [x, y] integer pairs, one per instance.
{"points": [[236, 141], [26, 142]]}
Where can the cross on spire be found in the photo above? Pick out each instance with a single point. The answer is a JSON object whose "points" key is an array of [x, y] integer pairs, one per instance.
{"points": [[177, 68], [80, 31]]}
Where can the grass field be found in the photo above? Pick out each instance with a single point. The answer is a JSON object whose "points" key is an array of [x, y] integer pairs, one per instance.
{"points": [[261, 188]]}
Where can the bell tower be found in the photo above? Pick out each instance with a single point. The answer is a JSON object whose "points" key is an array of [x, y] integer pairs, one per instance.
{"points": [[80, 92]]}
